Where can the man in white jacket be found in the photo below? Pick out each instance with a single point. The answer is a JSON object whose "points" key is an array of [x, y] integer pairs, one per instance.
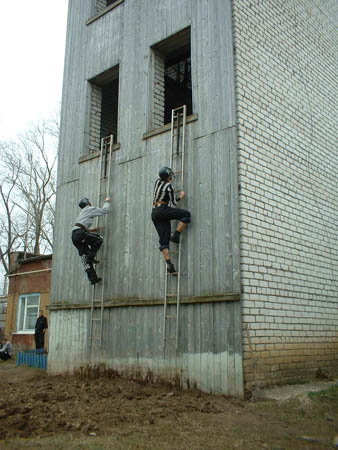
{"points": [[86, 240]]}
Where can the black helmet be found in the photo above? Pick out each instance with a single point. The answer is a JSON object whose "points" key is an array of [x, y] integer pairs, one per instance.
{"points": [[83, 202], [165, 173]]}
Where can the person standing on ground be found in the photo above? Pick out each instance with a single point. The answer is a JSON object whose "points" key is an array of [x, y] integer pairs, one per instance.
{"points": [[41, 326], [88, 241], [6, 350], [162, 214]]}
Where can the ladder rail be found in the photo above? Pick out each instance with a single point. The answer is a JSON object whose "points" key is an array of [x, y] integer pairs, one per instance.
{"points": [[105, 228], [96, 225], [165, 309], [177, 115], [105, 175]]}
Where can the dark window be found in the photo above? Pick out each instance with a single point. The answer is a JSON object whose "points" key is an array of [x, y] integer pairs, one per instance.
{"points": [[177, 83], [172, 85], [101, 5], [103, 116], [110, 2], [109, 109]]}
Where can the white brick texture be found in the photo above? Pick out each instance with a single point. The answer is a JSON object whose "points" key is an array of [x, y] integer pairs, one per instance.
{"points": [[286, 78], [95, 118]]}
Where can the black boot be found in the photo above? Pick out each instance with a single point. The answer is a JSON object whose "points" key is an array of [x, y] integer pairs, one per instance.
{"points": [[175, 237], [171, 268]]}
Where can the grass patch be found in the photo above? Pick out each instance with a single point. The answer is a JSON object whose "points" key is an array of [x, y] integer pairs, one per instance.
{"points": [[329, 395]]}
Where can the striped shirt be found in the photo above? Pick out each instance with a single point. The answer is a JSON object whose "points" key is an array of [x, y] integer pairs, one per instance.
{"points": [[164, 192]]}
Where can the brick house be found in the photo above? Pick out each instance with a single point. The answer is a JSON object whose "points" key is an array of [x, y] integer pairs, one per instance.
{"points": [[28, 292]]}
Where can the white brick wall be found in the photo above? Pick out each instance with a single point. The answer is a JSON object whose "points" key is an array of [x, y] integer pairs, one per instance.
{"points": [[95, 118], [101, 5], [158, 90], [286, 72]]}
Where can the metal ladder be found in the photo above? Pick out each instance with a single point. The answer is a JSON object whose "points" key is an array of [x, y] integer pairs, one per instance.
{"points": [[96, 314], [172, 282]]}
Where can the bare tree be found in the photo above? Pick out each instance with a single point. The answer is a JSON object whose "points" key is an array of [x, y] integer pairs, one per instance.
{"points": [[11, 233], [27, 194]]}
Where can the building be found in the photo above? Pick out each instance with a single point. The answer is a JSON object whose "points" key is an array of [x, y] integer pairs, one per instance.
{"points": [[28, 292], [259, 300]]}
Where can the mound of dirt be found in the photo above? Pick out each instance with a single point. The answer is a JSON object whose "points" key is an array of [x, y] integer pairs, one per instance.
{"points": [[34, 404]]}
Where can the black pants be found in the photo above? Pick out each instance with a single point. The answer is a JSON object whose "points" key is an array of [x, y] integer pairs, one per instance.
{"points": [[39, 340], [87, 245], [161, 216], [5, 355]]}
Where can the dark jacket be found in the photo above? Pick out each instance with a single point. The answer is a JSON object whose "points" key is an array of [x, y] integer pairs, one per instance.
{"points": [[41, 324]]}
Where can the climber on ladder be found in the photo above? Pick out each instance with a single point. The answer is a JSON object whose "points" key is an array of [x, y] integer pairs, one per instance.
{"points": [[88, 241], [162, 214]]}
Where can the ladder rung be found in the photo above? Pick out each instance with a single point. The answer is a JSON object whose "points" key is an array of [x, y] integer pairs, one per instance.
{"points": [[171, 295], [177, 273], [93, 318], [171, 317]]}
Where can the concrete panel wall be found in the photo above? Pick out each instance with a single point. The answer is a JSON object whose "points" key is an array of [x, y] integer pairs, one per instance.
{"points": [[210, 350]]}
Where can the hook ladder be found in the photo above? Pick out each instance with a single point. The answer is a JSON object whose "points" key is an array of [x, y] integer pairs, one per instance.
{"points": [[97, 303], [172, 281]]}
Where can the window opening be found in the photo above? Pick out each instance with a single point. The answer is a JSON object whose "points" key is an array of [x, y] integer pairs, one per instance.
{"points": [[172, 86], [103, 108], [177, 84], [101, 5]]}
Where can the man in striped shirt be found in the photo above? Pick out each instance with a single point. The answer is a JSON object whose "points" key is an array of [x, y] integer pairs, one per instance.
{"points": [[162, 213]]}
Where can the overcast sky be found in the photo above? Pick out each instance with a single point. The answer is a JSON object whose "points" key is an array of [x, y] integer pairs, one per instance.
{"points": [[32, 45]]}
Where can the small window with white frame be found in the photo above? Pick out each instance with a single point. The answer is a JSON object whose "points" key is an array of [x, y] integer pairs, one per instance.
{"points": [[28, 312]]}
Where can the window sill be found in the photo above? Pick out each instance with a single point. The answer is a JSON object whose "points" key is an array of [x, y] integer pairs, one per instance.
{"points": [[97, 154], [105, 11], [167, 127], [24, 332]]}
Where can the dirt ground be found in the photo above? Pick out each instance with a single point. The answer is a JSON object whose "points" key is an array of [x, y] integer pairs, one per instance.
{"points": [[57, 412]]}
